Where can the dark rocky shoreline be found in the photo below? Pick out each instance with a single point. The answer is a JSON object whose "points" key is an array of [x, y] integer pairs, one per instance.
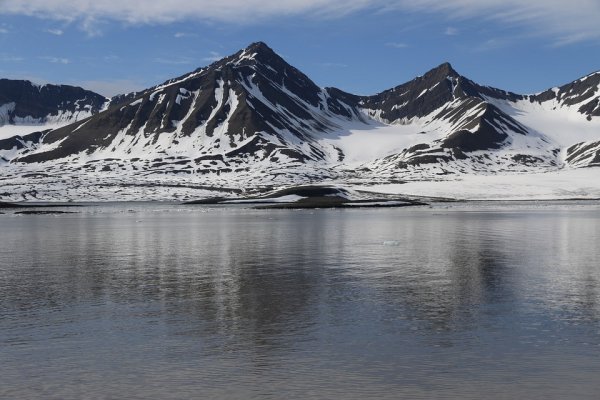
{"points": [[10, 205], [36, 209], [312, 197]]}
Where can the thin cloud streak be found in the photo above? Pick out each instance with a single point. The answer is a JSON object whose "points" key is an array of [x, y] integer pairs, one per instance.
{"points": [[55, 32], [10, 58], [180, 35], [333, 65], [56, 60], [173, 61], [450, 31], [214, 56], [397, 45], [564, 22]]}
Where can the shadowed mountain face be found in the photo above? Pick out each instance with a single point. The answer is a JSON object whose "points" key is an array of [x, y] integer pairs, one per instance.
{"points": [[582, 94], [248, 103], [25, 102], [252, 112], [28, 111], [428, 93]]}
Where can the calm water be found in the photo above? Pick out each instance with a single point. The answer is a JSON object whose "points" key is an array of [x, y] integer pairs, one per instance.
{"points": [[159, 301]]}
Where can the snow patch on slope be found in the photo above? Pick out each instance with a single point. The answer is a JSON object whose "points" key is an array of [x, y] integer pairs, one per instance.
{"points": [[563, 124]]}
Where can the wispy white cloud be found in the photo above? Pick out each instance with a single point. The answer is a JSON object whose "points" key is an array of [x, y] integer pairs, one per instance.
{"points": [[397, 45], [214, 56], [56, 60], [180, 35], [493, 44], [451, 31], [10, 58], [563, 21], [111, 58], [3, 30], [55, 32], [173, 61], [159, 11], [90, 25], [333, 65]]}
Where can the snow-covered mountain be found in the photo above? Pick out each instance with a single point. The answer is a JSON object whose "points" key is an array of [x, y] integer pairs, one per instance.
{"points": [[253, 120], [28, 110], [251, 106], [569, 115], [24, 102], [450, 125]]}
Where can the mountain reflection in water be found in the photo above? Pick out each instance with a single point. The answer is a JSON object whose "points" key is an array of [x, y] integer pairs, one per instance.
{"points": [[167, 302]]}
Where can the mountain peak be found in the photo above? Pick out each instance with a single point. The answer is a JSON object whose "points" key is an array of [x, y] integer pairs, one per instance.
{"points": [[443, 70], [259, 47], [257, 52]]}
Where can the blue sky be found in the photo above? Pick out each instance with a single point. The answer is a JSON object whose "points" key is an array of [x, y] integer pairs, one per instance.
{"points": [[361, 46]]}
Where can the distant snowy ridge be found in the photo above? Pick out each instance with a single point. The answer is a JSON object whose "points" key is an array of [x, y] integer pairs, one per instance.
{"points": [[39, 107]]}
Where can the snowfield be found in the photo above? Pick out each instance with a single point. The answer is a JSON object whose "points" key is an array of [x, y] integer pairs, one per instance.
{"points": [[8, 131], [564, 124], [565, 184], [363, 143], [57, 185]]}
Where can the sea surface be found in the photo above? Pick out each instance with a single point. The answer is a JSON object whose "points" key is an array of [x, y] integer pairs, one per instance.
{"points": [[162, 301]]}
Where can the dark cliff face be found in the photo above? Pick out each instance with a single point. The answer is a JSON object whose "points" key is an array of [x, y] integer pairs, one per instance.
{"points": [[454, 99], [38, 102], [584, 92], [416, 98], [428, 93]]}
